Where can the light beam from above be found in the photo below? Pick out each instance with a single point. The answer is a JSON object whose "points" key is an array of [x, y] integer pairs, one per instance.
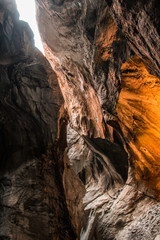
{"points": [[27, 11]]}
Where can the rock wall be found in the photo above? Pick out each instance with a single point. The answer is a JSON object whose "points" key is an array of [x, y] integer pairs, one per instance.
{"points": [[80, 133], [35, 202], [98, 50]]}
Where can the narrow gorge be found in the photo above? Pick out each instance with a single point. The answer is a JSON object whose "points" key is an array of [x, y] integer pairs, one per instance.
{"points": [[80, 126]]}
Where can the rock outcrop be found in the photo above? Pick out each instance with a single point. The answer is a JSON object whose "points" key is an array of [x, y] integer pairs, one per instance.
{"points": [[79, 128]]}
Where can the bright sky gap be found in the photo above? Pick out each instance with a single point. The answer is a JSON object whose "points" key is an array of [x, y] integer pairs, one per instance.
{"points": [[27, 11]]}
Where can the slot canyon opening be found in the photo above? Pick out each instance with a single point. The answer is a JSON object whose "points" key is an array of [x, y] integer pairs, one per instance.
{"points": [[27, 11]]}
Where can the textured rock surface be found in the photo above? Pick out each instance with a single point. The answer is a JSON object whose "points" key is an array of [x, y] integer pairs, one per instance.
{"points": [[102, 147], [88, 44], [140, 23], [139, 101], [37, 200]]}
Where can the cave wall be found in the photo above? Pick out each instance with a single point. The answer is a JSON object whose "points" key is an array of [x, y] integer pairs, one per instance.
{"points": [[79, 128]]}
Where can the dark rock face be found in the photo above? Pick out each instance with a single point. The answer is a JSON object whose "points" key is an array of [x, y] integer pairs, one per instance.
{"points": [[27, 94], [102, 147], [141, 28], [25, 90]]}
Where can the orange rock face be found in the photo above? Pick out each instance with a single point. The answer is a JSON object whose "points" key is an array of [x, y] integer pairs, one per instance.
{"points": [[106, 39], [138, 111]]}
